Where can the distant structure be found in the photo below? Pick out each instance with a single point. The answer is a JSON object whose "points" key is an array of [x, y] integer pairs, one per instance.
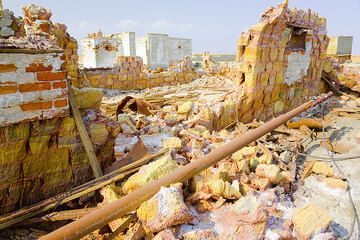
{"points": [[156, 50], [100, 51], [340, 45], [340, 48]]}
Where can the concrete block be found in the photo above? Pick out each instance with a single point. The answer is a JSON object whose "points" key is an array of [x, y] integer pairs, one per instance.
{"points": [[149, 173], [323, 168], [165, 209], [310, 220]]}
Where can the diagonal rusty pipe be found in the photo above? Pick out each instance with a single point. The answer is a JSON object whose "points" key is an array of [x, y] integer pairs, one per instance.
{"points": [[133, 200]]}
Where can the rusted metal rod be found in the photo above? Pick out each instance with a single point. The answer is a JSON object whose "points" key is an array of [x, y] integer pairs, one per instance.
{"points": [[133, 200]]}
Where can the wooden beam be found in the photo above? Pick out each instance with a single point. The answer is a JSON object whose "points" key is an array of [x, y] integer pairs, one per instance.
{"points": [[84, 135], [59, 216]]}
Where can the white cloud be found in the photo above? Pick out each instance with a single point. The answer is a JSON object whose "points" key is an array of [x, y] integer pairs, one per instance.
{"points": [[128, 23], [83, 24]]}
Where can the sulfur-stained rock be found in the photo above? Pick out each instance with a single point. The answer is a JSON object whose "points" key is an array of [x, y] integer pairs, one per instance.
{"points": [[336, 184], [110, 194], [39, 143], [270, 171], [266, 158], [149, 173], [244, 153], [163, 210], [219, 187], [88, 97], [260, 183], [135, 232], [166, 234], [310, 220], [68, 134], [172, 143], [216, 184], [98, 133], [245, 219], [171, 119], [185, 108], [327, 67], [323, 168]]}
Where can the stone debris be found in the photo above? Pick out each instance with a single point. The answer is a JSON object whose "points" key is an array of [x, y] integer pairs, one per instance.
{"points": [[323, 168], [165, 209], [310, 220], [336, 184], [149, 172], [166, 234]]}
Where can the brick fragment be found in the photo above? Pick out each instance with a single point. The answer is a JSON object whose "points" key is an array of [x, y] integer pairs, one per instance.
{"points": [[38, 67], [60, 103], [7, 68], [32, 87], [51, 76], [8, 89], [36, 106], [323, 168], [336, 184], [61, 84], [310, 220]]}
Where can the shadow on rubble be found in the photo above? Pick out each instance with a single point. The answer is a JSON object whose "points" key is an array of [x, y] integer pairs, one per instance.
{"points": [[337, 134], [339, 230]]}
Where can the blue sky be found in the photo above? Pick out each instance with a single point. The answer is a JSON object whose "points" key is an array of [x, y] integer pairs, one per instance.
{"points": [[213, 25]]}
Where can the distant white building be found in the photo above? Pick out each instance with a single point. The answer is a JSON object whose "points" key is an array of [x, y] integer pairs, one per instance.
{"points": [[156, 50], [99, 51]]}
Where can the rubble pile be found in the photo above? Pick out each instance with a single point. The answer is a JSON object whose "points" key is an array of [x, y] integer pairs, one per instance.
{"points": [[246, 196], [46, 157], [345, 74]]}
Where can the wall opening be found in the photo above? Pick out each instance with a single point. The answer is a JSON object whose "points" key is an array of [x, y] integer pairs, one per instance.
{"points": [[297, 40]]}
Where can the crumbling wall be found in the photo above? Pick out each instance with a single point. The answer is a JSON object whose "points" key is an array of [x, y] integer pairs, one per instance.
{"points": [[100, 51], [32, 86], [280, 61], [179, 49], [41, 153], [42, 158], [130, 74]]}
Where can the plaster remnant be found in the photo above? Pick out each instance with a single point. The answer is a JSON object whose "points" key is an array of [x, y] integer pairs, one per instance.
{"points": [[298, 64]]}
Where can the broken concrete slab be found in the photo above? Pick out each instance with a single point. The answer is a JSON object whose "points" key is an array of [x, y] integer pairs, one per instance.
{"points": [[165, 209], [310, 220], [336, 184], [323, 168], [269, 171], [149, 173]]}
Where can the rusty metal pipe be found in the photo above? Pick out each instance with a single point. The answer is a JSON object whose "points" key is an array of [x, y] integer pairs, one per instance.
{"points": [[133, 200]]}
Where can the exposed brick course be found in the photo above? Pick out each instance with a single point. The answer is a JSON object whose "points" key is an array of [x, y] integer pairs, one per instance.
{"points": [[7, 68], [51, 76], [38, 67], [36, 106], [32, 87]]}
